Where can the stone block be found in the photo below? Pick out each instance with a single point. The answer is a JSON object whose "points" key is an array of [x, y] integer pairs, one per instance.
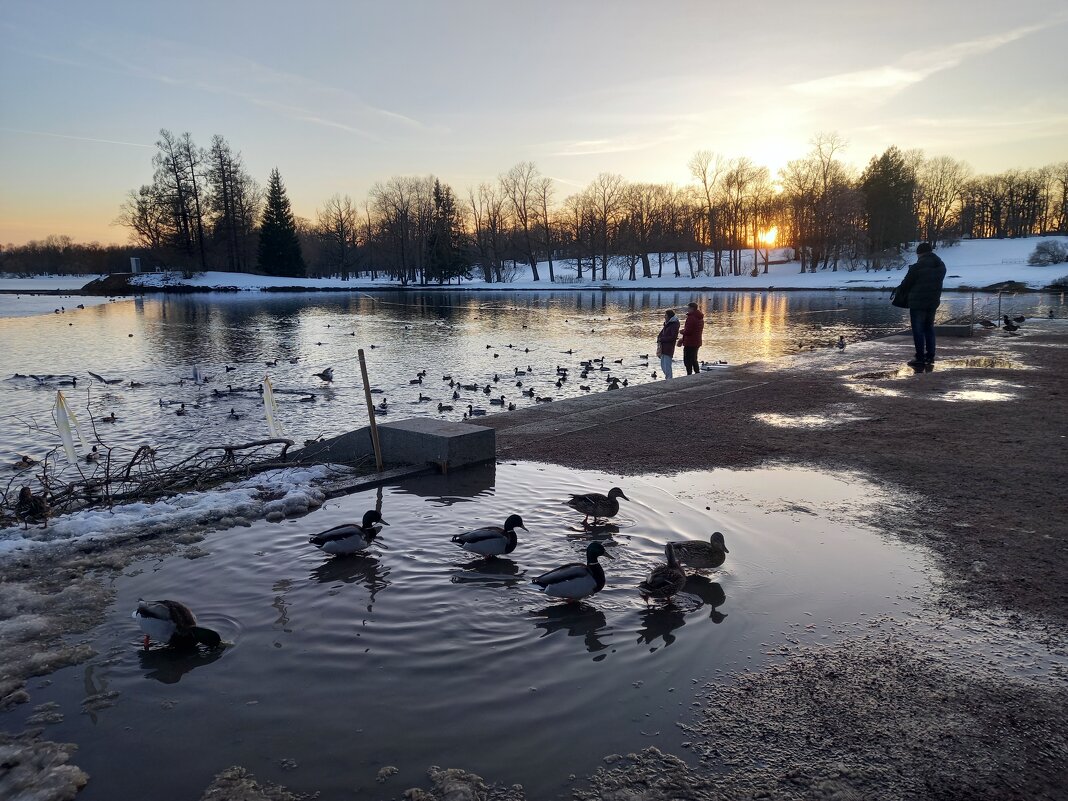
{"points": [[419, 440]]}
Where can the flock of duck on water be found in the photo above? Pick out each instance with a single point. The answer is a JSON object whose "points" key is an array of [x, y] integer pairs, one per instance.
{"points": [[172, 622]]}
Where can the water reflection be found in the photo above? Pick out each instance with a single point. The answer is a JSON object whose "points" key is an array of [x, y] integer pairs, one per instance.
{"points": [[659, 623], [710, 592], [496, 572], [168, 665], [355, 568], [578, 620]]}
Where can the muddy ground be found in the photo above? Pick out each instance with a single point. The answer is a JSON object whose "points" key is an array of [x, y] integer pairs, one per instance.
{"points": [[917, 708]]}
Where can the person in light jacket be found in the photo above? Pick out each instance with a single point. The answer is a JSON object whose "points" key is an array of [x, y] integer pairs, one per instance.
{"points": [[690, 339], [665, 341], [922, 286]]}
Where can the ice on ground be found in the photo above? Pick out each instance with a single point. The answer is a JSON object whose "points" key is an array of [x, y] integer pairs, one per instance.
{"points": [[275, 494]]}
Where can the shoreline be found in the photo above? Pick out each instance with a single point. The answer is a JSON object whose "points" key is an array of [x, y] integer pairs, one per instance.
{"points": [[900, 707]]}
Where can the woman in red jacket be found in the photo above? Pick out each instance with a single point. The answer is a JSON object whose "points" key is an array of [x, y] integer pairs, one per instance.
{"points": [[691, 338]]}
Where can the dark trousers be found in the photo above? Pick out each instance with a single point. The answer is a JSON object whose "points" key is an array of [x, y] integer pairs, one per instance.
{"points": [[689, 358], [923, 332]]}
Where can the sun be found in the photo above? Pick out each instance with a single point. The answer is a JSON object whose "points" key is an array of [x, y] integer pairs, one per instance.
{"points": [[767, 238]]}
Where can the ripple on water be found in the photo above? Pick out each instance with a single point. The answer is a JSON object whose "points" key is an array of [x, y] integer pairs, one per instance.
{"points": [[415, 653]]}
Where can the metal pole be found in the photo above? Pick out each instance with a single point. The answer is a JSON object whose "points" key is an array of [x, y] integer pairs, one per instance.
{"points": [[999, 308], [971, 328], [370, 412]]}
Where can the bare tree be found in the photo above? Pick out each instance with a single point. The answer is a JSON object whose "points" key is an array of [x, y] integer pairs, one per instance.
{"points": [[519, 186], [706, 167], [940, 184], [336, 226], [606, 196]]}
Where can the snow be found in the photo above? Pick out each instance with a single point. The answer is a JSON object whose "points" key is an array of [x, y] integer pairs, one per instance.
{"points": [[41, 283], [971, 263], [273, 495]]}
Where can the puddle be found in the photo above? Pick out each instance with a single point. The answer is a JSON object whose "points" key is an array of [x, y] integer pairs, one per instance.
{"points": [[809, 421], [970, 363], [337, 667]]}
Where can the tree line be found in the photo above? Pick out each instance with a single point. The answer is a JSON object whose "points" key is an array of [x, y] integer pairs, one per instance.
{"points": [[202, 210]]}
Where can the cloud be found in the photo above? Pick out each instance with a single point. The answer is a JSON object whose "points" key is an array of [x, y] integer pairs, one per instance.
{"points": [[77, 138], [912, 68]]}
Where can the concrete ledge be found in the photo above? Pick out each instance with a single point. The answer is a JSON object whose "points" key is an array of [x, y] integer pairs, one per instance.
{"points": [[420, 440]]}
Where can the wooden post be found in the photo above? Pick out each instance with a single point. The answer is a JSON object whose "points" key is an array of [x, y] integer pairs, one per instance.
{"points": [[370, 412]]}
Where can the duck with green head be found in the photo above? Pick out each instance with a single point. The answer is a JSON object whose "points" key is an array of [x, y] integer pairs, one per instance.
{"points": [[492, 540], [575, 581], [350, 537]]}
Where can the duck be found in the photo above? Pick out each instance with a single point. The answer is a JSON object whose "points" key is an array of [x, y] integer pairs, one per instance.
{"points": [[473, 412], [1008, 324], [349, 537], [497, 401], [173, 623], [181, 411], [326, 375], [30, 508], [664, 580], [23, 463], [492, 540], [93, 455], [700, 554], [596, 505], [111, 418], [575, 581], [841, 343], [987, 323], [423, 398], [233, 414], [443, 407]]}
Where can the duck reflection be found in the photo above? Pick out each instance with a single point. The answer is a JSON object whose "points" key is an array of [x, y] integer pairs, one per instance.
{"points": [[356, 568], [710, 592], [168, 665], [658, 623], [499, 571], [593, 531], [578, 620]]}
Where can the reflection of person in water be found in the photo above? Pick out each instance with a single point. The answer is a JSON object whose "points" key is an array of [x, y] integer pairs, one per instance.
{"points": [[578, 620]]}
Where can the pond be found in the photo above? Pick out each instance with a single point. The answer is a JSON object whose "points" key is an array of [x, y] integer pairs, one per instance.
{"points": [[417, 654], [150, 346]]}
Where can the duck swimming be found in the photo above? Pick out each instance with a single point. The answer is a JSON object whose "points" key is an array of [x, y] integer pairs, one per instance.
{"points": [[173, 623], [595, 505], [664, 580], [575, 581], [349, 537], [492, 540], [700, 554]]}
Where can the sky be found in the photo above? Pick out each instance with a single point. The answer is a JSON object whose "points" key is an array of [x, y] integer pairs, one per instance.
{"points": [[339, 94]]}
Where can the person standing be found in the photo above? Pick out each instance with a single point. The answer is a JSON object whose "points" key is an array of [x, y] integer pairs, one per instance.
{"points": [[922, 286], [665, 341], [691, 338]]}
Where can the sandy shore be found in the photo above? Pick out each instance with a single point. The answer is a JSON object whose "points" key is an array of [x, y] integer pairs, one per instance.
{"points": [[967, 700]]}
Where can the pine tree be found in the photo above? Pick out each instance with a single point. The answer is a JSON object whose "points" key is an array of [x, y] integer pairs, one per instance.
{"points": [[889, 186], [279, 246], [446, 256]]}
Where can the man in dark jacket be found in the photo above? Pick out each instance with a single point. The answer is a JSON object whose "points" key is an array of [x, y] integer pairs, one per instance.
{"points": [[923, 288], [690, 338]]}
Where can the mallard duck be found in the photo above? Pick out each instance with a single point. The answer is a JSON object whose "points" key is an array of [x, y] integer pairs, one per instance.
{"points": [[23, 463], [664, 580], [30, 508], [492, 540], [349, 537], [700, 554], [575, 581], [326, 375], [173, 623], [595, 505]]}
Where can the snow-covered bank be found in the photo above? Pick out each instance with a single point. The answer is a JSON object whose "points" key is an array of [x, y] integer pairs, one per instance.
{"points": [[45, 283], [971, 264], [273, 495]]}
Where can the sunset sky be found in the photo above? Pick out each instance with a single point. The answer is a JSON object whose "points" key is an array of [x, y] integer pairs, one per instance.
{"points": [[339, 95]]}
